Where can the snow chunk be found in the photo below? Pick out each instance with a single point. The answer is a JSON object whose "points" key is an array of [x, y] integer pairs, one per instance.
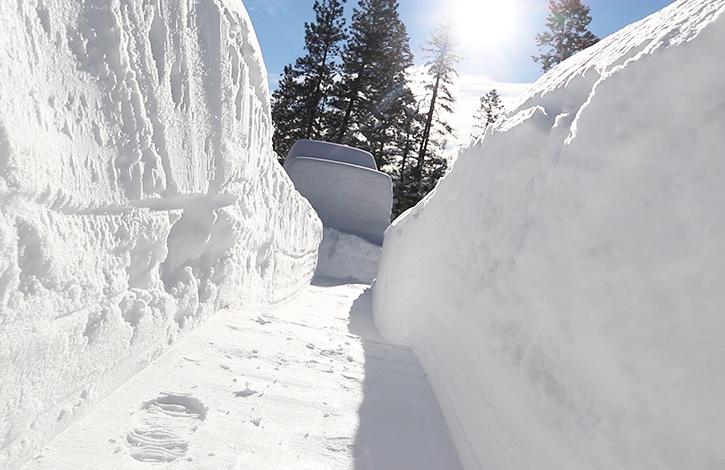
{"points": [[563, 285], [347, 257], [138, 194]]}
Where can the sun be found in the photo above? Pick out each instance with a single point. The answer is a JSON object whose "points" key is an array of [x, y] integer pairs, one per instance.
{"points": [[480, 24]]}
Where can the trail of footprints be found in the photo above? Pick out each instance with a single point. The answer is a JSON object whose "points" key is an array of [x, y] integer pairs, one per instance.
{"points": [[164, 427]]}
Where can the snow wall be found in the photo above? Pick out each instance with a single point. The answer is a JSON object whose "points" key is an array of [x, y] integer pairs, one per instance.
{"points": [[563, 286], [138, 193]]}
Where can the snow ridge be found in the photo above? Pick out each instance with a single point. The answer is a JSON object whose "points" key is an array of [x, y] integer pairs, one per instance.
{"points": [[562, 285], [138, 194]]}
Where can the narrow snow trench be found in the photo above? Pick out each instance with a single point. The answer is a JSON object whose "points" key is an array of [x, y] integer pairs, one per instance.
{"points": [[309, 385]]}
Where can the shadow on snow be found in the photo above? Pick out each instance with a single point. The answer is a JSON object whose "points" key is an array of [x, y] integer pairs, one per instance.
{"points": [[401, 426]]}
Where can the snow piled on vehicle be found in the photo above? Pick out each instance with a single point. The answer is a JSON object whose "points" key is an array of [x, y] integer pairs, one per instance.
{"points": [[350, 198], [563, 285], [138, 194], [331, 151]]}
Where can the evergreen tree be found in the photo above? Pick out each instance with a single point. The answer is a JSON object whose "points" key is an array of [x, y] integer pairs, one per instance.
{"points": [[489, 111], [287, 112], [434, 169], [367, 104], [442, 59], [567, 34], [298, 103], [406, 138], [320, 65]]}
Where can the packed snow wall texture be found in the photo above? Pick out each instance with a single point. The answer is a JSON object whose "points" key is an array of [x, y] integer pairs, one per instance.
{"points": [[563, 286], [138, 193]]}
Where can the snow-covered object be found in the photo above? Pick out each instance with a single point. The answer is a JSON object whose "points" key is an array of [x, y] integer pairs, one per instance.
{"points": [[563, 286], [330, 151], [350, 198], [347, 257], [138, 193]]}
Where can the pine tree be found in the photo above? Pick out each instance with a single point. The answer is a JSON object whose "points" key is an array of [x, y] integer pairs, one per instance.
{"points": [[567, 34], [442, 59], [319, 66], [287, 112], [489, 112], [407, 136], [298, 104], [366, 106]]}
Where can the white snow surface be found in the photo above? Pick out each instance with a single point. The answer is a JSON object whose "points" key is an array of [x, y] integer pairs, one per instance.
{"points": [[308, 385], [138, 193], [563, 285], [347, 257]]}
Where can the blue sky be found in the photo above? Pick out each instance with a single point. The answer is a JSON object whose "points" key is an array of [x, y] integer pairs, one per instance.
{"points": [[501, 60], [280, 27]]}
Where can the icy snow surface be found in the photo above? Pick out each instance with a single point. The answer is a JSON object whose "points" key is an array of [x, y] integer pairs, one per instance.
{"points": [[306, 386], [563, 286], [138, 193]]}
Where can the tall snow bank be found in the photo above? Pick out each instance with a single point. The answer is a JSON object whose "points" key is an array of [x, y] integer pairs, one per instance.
{"points": [[138, 193], [563, 286]]}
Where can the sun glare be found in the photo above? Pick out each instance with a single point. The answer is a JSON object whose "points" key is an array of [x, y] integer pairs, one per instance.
{"points": [[480, 24]]}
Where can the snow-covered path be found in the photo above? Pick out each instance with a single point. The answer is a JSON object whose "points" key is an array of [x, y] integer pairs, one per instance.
{"points": [[310, 385]]}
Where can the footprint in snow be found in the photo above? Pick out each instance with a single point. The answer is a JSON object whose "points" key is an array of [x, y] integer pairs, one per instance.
{"points": [[247, 392], [229, 465], [164, 427], [332, 352]]}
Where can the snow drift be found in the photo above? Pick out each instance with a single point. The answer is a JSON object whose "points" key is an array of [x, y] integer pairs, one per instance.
{"points": [[347, 257], [563, 286], [138, 193]]}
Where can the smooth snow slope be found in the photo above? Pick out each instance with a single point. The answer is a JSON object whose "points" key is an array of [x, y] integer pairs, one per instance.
{"points": [[563, 286], [138, 193]]}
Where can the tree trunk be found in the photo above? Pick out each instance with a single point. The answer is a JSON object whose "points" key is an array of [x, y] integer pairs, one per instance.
{"points": [[426, 131], [316, 98], [406, 150], [346, 119]]}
